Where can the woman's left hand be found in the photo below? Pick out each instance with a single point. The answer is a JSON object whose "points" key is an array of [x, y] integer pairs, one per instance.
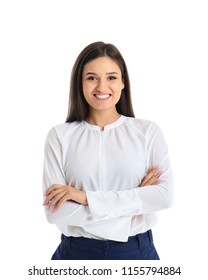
{"points": [[152, 177], [57, 195]]}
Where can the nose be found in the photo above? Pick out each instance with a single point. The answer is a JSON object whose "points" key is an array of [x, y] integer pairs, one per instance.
{"points": [[102, 85]]}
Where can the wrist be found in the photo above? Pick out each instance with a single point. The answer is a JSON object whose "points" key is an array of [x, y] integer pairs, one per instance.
{"points": [[79, 196]]}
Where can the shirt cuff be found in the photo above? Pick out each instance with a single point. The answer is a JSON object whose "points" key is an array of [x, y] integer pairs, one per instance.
{"points": [[111, 204]]}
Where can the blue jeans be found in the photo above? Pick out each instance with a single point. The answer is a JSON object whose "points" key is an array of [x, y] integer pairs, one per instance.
{"points": [[138, 247]]}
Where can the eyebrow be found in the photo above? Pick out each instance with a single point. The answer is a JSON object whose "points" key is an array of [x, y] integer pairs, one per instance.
{"points": [[108, 73]]}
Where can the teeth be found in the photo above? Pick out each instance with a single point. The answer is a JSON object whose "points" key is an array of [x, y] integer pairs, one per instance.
{"points": [[102, 96]]}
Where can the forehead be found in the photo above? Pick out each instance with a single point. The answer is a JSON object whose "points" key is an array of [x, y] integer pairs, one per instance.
{"points": [[102, 64]]}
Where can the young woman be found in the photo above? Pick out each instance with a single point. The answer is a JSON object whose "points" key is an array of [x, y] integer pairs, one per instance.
{"points": [[106, 172]]}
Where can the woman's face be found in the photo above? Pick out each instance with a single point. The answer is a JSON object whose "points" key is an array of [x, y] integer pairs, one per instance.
{"points": [[102, 83]]}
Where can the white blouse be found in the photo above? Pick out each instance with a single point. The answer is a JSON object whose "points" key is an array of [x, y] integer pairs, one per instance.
{"points": [[109, 166]]}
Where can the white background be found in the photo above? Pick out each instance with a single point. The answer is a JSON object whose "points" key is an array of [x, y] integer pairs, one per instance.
{"points": [[165, 45]]}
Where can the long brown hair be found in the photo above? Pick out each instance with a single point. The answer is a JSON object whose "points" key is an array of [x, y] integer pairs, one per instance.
{"points": [[78, 107]]}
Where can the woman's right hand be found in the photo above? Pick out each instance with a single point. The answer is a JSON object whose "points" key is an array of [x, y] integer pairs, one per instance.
{"points": [[152, 177], [57, 195]]}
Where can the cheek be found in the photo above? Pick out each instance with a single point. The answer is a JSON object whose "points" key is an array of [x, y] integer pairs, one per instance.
{"points": [[87, 92], [83, 86], [117, 88], [87, 88]]}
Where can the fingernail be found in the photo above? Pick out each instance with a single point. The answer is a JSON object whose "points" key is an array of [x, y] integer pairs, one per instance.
{"points": [[157, 167]]}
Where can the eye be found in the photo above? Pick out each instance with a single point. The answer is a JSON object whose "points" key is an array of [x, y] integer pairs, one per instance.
{"points": [[91, 78], [112, 78]]}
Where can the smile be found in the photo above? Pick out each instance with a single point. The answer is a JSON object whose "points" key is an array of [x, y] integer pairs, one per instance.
{"points": [[102, 96]]}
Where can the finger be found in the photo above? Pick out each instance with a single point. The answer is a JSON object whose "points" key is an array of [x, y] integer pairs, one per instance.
{"points": [[151, 172], [146, 178], [151, 178], [60, 202], [51, 195], [48, 198], [55, 200], [52, 188], [153, 181]]}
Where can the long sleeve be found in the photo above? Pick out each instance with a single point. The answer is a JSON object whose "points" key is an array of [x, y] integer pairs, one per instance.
{"points": [[109, 166], [70, 213], [139, 200]]}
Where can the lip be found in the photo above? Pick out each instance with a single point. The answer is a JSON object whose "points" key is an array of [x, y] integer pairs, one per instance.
{"points": [[102, 97]]}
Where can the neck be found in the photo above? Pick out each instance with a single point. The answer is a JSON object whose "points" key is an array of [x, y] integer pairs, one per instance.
{"points": [[102, 119]]}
